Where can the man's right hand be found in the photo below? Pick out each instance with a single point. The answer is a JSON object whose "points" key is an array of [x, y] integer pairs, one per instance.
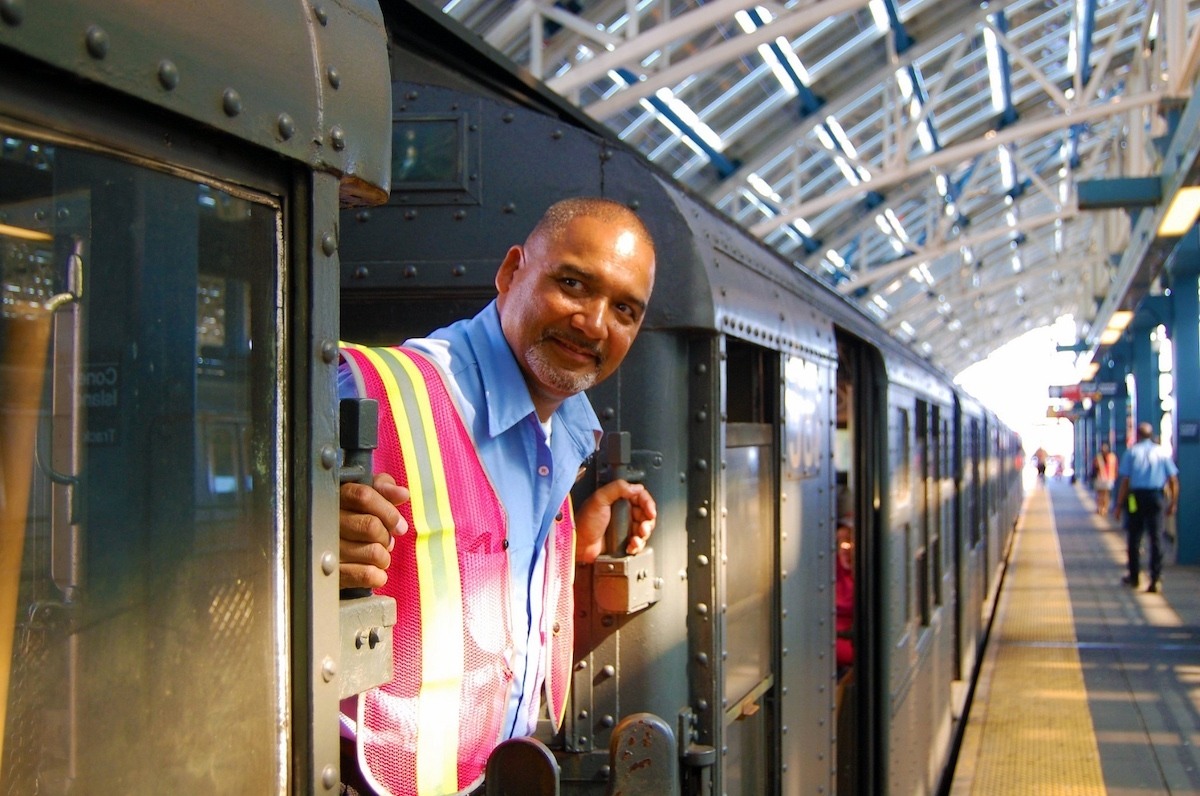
{"points": [[368, 527]]}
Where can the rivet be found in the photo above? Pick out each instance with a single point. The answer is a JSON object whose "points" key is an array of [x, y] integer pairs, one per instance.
{"points": [[410, 271], [12, 11], [507, 117], [702, 658], [328, 669], [287, 127], [702, 609], [609, 413], [334, 77], [557, 134], [702, 560], [701, 465], [607, 721], [702, 512], [328, 352], [328, 457], [231, 102], [362, 216], [320, 14], [361, 272], [329, 777], [458, 270], [581, 665], [97, 41], [328, 244], [609, 670], [337, 137], [328, 563], [168, 75]]}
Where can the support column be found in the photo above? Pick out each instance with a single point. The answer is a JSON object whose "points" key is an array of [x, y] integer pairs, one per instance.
{"points": [[1147, 407], [1185, 338]]}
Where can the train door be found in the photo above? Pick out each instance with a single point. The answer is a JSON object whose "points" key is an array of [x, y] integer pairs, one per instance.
{"points": [[143, 530], [859, 457], [748, 545]]}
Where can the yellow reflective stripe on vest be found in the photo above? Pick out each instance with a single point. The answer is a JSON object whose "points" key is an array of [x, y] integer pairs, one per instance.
{"points": [[437, 568]]}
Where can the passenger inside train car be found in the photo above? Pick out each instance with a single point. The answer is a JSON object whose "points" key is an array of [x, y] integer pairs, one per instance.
{"points": [[571, 301]]}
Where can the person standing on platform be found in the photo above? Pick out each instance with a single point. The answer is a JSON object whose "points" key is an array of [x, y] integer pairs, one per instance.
{"points": [[482, 562], [1148, 476], [1104, 477]]}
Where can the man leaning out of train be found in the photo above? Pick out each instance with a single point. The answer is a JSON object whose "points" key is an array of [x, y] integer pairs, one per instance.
{"points": [[497, 399]]}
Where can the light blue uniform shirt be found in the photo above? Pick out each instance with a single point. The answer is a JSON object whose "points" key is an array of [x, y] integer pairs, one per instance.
{"points": [[531, 477], [1147, 466]]}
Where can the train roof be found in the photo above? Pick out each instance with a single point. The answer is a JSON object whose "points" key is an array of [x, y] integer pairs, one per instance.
{"points": [[308, 81]]}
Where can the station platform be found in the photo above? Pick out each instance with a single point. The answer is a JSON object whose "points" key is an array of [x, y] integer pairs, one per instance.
{"points": [[1087, 686]]}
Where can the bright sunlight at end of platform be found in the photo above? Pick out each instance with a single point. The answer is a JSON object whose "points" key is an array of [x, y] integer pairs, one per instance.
{"points": [[1014, 382]]}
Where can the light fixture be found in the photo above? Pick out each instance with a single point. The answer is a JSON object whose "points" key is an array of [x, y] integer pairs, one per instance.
{"points": [[23, 233], [1120, 320], [1110, 336], [1181, 214]]}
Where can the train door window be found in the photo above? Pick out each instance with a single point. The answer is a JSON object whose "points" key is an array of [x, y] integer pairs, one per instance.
{"points": [[748, 543], [974, 454], [140, 329], [935, 504], [922, 563]]}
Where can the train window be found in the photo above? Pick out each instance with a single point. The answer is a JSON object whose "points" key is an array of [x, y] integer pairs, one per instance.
{"points": [[140, 332], [903, 461], [428, 152]]}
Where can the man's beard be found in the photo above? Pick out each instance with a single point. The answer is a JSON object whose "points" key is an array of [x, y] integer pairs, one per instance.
{"points": [[557, 377]]}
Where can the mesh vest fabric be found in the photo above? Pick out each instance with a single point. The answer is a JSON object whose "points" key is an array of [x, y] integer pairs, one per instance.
{"points": [[429, 731]]}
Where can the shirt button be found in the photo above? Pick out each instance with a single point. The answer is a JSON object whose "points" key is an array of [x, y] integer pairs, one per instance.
{"points": [[505, 544], [558, 517], [557, 628], [543, 470]]}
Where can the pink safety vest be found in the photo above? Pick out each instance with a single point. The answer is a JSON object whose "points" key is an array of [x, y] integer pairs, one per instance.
{"points": [[429, 731]]}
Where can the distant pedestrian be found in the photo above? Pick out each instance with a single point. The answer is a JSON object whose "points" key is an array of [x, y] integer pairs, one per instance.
{"points": [[1145, 473], [1104, 477]]}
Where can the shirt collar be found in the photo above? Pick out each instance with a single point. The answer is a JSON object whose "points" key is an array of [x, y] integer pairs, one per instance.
{"points": [[507, 394]]}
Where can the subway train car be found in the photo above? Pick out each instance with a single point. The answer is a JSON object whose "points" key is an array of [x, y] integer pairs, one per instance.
{"points": [[170, 185], [192, 213], [759, 408]]}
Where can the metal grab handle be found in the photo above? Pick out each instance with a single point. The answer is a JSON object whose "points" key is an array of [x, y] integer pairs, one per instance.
{"points": [[358, 434], [72, 298], [618, 456]]}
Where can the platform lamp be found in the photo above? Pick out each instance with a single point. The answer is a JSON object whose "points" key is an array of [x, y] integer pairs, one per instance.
{"points": [[1181, 213]]}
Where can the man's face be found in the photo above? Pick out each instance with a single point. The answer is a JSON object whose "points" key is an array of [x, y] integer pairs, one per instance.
{"points": [[571, 306]]}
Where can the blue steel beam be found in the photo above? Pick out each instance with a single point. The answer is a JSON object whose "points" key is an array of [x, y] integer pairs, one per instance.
{"points": [[809, 102], [1085, 29], [722, 164], [899, 34]]}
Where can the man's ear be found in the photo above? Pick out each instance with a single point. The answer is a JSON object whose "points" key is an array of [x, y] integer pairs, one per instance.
{"points": [[508, 269]]}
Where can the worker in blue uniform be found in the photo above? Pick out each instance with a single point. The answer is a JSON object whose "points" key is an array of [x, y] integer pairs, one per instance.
{"points": [[1148, 478]]}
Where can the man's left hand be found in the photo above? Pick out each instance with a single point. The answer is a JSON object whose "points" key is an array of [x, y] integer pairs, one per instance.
{"points": [[592, 518]]}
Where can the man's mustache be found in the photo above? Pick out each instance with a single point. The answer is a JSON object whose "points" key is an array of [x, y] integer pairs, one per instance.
{"points": [[581, 344]]}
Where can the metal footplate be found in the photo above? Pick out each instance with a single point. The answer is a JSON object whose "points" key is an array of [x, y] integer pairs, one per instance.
{"points": [[521, 767], [643, 757]]}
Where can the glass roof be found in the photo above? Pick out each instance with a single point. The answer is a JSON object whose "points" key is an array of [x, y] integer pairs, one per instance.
{"points": [[923, 157]]}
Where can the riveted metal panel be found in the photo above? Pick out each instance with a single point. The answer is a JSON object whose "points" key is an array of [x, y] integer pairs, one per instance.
{"points": [[442, 236], [307, 80]]}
